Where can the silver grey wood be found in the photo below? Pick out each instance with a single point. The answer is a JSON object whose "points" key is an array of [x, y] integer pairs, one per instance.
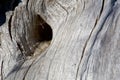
{"points": [[85, 43]]}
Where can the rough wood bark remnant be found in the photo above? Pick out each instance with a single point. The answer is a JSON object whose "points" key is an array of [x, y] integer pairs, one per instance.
{"points": [[61, 40]]}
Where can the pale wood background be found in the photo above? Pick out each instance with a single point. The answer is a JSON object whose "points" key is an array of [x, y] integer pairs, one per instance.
{"points": [[85, 43]]}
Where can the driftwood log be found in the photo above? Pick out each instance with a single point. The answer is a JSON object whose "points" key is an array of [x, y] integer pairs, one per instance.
{"points": [[60, 40]]}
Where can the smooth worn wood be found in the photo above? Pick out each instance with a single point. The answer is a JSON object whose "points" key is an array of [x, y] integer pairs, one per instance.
{"points": [[61, 40]]}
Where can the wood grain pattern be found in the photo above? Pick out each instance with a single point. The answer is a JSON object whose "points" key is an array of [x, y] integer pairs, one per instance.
{"points": [[85, 43]]}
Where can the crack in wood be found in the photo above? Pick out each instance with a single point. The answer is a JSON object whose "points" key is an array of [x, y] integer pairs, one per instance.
{"points": [[94, 39], [103, 3], [89, 39], [27, 5], [15, 69], [19, 47], [28, 69], [9, 26], [2, 70], [22, 55], [96, 21], [0, 38], [83, 6], [62, 7]]}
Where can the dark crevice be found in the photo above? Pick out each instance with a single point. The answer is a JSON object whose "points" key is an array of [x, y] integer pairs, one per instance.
{"points": [[20, 48], [27, 4], [103, 3], [102, 23], [0, 38], [105, 18], [16, 68], [85, 47], [89, 39], [2, 70], [96, 36], [28, 70], [9, 26], [100, 29], [43, 30], [40, 35], [113, 2], [20, 61], [7, 5], [22, 55], [46, 32]]}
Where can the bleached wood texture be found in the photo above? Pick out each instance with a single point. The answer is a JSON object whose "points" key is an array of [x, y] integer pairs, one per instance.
{"points": [[85, 43]]}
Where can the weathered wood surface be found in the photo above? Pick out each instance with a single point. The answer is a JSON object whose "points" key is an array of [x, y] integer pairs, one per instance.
{"points": [[85, 43]]}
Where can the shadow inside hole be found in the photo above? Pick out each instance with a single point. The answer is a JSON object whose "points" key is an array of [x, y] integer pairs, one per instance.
{"points": [[40, 36], [7, 5], [43, 30], [46, 32]]}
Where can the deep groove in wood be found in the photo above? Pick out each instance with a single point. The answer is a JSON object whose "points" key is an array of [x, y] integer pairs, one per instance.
{"points": [[9, 26], [2, 70]]}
